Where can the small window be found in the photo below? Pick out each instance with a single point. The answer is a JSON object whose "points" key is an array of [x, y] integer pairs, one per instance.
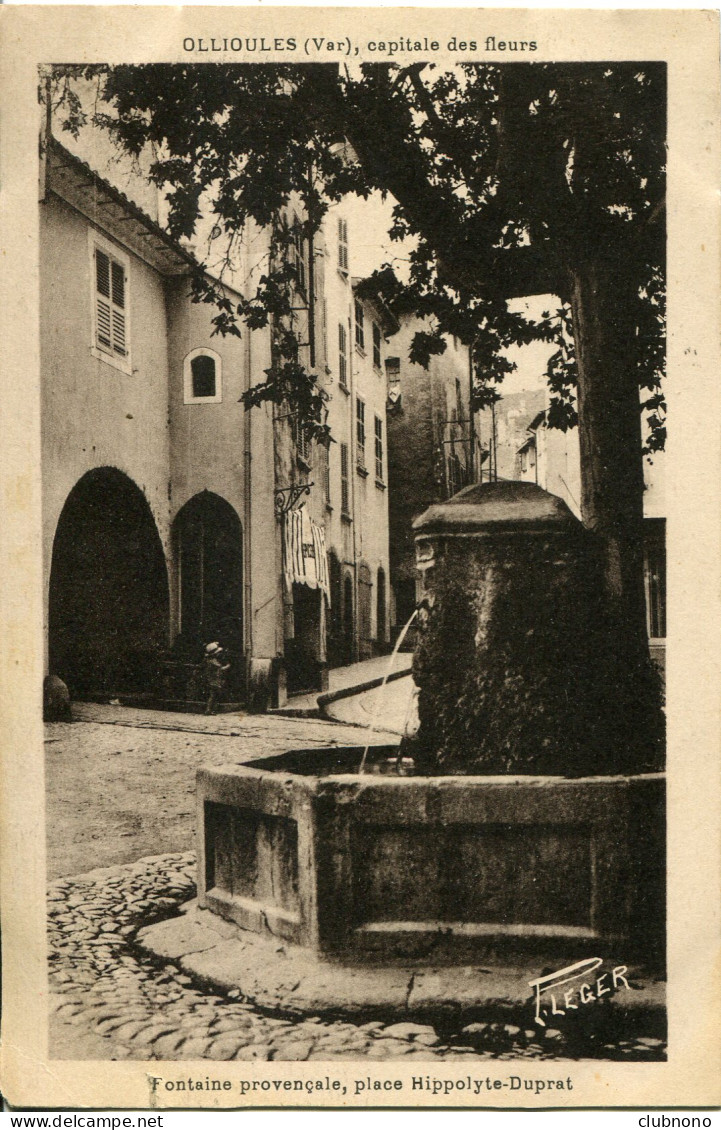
{"points": [[202, 369], [379, 448], [111, 336], [359, 327], [324, 471], [202, 377], [393, 370], [344, 483], [360, 431], [343, 245], [376, 346], [342, 356]]}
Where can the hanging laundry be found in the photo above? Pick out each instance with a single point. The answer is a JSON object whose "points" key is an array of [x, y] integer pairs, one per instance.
{"points": [[304, 554]]}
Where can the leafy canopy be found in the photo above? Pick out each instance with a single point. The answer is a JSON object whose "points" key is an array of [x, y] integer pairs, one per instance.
{"points": [[504, 178]]}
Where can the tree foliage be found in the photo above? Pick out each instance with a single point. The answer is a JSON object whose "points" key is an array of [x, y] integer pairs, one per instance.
{"points": [[504, 178]]}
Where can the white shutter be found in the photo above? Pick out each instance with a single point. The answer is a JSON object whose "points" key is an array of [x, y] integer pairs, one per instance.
{"points": [[118, 280], [110, 320], [102, 299], [342, 244]]}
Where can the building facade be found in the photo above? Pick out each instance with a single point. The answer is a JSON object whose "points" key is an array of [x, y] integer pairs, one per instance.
{"points": [[340, 612], [552, 459], [172, 516], [153, 474], [432, 448]]}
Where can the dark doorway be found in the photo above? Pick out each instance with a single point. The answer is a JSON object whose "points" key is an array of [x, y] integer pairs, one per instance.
{"points": [[335, 618], [301, 653], [381, 631], [365, 597], [348, 622], [209, 545], [108, 589]]}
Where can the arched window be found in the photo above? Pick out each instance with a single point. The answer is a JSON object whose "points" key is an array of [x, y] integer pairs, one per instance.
{"points": [[202, 377], [202, 370]]}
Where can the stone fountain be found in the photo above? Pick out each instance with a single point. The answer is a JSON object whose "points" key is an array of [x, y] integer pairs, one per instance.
{"points": [[323, 888]]}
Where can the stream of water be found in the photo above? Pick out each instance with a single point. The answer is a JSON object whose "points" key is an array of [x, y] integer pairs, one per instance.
{"points": [[373, 726]]}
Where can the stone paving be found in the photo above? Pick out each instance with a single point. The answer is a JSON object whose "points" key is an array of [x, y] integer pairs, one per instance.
{"points": [[120, 786], [99, 985]]}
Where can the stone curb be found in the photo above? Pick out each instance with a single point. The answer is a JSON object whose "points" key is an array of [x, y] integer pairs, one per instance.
{"points": [[273, 974], [325, 699], [348, 692]]}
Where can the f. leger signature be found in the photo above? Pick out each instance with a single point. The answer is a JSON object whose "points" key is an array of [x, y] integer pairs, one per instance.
{"points": [[579, 995]]}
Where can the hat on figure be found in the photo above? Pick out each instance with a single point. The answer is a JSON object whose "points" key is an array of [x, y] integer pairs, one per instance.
{"points": [[212, 648]]}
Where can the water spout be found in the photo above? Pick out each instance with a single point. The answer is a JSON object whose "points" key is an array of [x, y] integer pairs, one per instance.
{"points": [[376, 715]]}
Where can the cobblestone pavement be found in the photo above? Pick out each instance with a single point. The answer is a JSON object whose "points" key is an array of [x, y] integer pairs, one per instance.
{"points": [[120, 786], [134, 1009]]}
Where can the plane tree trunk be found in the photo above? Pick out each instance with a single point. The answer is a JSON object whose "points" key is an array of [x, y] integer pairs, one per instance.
{"points": [[603, 293]]}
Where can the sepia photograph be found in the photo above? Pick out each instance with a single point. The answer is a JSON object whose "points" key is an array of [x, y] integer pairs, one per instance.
{"points": [[353, 510], [352, 548]]}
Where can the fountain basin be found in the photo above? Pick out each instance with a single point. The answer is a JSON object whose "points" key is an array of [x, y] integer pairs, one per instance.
{"points": [[431, 869]]}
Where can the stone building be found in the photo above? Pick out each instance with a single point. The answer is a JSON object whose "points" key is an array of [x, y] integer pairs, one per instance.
{"points": [[340, 489], [551, 459], [167, 507], [432, 448], [154, 476]]}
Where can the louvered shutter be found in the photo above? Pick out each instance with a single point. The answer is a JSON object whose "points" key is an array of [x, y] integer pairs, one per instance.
{"points": [[110, 304], [342, 245], [118, 279], [102, 299]]}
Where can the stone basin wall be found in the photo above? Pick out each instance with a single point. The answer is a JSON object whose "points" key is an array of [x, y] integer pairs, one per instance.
{"points": [[435, 869]]}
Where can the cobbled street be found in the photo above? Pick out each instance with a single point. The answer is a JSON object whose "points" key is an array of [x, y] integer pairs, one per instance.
{"points": [[121, 815]]}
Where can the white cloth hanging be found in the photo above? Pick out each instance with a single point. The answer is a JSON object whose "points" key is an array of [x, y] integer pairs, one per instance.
{"points": [[304, 554]]}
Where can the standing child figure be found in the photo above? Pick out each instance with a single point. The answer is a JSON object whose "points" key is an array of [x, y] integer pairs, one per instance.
{"points": [[214, 670]]}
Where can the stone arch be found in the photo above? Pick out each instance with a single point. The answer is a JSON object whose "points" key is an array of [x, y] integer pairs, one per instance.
{"points": [[108, 592], [208, 547]]}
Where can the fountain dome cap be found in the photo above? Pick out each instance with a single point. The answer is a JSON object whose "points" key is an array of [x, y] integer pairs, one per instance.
{"points": [[502, 507]]}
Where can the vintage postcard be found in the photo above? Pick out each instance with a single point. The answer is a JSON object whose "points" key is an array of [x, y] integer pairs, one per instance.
{"points": [[360, 487]]}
